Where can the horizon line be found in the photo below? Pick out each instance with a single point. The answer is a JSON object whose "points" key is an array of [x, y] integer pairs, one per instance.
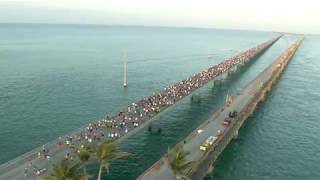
{"points": [[154, 26]]}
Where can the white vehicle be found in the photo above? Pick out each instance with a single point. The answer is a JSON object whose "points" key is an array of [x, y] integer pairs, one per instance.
{"points": [[211, 140], [200, 131]]}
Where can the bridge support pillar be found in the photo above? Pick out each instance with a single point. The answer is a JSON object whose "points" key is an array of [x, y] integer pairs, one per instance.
{"points": [[210, 169], [214, 83]]}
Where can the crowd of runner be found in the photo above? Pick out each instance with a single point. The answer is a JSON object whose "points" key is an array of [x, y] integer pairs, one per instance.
{"points": [[137, 112], [114, 127]]}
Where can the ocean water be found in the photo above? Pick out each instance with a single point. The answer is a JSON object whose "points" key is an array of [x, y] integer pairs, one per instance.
{"points": [[281, 140], [56, 78]]}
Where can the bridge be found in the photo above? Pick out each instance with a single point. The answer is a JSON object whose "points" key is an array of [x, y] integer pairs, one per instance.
{"points": [[124, 123], [244, 103]]}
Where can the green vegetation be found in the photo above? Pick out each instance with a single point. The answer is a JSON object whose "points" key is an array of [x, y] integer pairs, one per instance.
{"points": [[103, 153], [84, 156], [177, 160], [106, 152], [63, 171]]}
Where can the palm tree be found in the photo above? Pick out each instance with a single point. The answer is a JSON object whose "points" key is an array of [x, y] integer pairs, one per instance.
{"points": [[84, 156], [177, 160], [63, 171], [106, 152]]}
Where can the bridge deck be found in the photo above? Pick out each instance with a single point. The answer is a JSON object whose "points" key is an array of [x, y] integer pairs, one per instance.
{"points": [[15, 168], [160, 170]]}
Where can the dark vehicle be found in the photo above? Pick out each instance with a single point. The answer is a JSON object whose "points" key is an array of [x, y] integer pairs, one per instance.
{"points": [[233, 114]]}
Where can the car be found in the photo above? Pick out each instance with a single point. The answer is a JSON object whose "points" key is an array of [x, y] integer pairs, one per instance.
{"points": [[233, 114], [203, 147], [208, 142], [211, 140], [226, 121], [219, 132], [199, 131]]}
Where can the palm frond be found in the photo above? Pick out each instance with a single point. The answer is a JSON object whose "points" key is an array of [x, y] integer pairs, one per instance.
{"points": [[62, 171], [106, 152], [83, 155], [177, 161]]}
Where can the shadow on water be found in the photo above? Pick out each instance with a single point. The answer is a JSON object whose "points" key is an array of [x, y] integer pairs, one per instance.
{"points": [[147, 147]]}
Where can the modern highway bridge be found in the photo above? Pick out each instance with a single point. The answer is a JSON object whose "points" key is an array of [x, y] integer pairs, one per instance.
{"points": [[244, 103], [15, 169]]}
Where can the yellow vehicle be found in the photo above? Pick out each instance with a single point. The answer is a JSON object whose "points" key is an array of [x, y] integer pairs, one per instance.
{"points": [[203, 147], [209, 141]]}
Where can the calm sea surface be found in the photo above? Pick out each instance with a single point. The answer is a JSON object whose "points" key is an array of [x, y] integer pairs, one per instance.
{"points": [[56, 78]]}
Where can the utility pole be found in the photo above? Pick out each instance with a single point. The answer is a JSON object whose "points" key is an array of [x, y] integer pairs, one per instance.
{"points": [[125, 69]]}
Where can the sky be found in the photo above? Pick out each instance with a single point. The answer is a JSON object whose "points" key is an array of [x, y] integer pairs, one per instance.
{"points": [[268, 15]]}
